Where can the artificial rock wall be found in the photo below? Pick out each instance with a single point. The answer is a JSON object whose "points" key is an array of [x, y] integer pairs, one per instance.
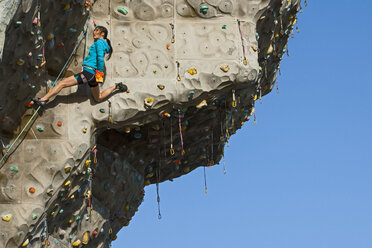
{"points": [[77, 172]]}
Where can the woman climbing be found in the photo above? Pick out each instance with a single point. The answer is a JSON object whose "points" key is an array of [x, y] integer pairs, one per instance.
{"points": [[92, 73]]}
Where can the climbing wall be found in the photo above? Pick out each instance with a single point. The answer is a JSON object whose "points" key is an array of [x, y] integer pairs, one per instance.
{"points": [[74, 172]]}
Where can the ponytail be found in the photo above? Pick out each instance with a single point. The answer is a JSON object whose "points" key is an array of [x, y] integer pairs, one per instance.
{"points": [[105, 32], [111, 50]]}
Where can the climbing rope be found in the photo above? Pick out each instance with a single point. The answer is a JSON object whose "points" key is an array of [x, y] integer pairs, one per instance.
{"points": [[37, 110]]}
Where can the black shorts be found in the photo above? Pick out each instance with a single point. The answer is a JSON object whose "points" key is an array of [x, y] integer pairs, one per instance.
{"points": [[86, 77]]}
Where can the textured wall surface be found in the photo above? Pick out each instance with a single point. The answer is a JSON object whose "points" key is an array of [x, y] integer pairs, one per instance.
{"points": [[195, 68]]}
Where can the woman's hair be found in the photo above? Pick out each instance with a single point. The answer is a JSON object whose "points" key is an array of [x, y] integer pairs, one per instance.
{"points": [[105, 32]]}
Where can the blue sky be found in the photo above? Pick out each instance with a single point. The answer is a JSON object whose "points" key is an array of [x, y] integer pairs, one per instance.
{"points": [[302, 177]]}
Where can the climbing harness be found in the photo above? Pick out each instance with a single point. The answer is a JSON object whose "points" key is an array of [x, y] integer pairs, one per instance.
{"points": [[245, 62]]}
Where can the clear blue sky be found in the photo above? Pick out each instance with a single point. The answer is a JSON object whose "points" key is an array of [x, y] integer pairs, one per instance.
{"points": [[302, 177]]}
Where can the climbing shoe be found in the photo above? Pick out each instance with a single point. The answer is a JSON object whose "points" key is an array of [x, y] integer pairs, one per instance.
{"points": [[122, 87], [39, 102]]}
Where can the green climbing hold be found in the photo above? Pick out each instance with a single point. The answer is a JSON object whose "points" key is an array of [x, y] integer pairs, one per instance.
{"points": [[40, 129], [17, 24], [224, 26], [204, 9], [122, 10], [78, 217], [61, 211], [102, 110], [14, 169], [34, 216]]}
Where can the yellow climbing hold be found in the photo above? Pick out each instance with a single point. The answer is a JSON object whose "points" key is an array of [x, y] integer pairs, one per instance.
{"points": [[202, 104], [68, 183], [70, 221], [84, 130], [87, 162], [255, 98], [127, 208], [85, 238], [76, 243], [161, 86], [270, 50], [225, 68], [149, 101], [7, 217], [68, 168], [114, 238], [26, 243], [67, 7], [127, 129], [192, 71], [254, 48]]}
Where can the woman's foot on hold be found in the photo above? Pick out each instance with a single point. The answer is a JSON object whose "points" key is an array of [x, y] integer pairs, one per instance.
{"points": [[39, 101], [122, 87]]}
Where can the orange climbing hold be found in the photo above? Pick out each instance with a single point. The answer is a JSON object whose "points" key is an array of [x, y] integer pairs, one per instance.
{"points": [[31, 190], [59, 123], [168, 46]]}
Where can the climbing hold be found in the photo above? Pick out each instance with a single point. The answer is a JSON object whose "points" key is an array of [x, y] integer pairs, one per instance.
{"points": [[127, 208], [40, 129], [67, 183], [122, 10], [127, 129], [270, 50], [168, 47], [84, 130], [70, 221], [87, 162], [225, 68], [20, 62], [59, 123], [50, 192], [76, 243], [102, 110], [31, 190], [147, 182], [95, 233], [26, 243], [202, 104], [14, 169], [7, 217], [224, 26], [67, 6], [192, 71], [25, 77], [85, 238], [60, 44], [115, 237], [161, 87], [17, 24], [61, 211], [137, 135], [254, 48], [78, 217], [67, 168], [191, 94], [72, 30], [34, 216], [149, 101], [204, 9]]}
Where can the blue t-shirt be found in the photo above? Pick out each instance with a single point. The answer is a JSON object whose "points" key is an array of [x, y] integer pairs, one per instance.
{"points": [[96, 56]]}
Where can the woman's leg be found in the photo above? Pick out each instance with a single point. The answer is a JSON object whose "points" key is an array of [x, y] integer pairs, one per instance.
{"points": [[99, 96], [66, 82]]}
